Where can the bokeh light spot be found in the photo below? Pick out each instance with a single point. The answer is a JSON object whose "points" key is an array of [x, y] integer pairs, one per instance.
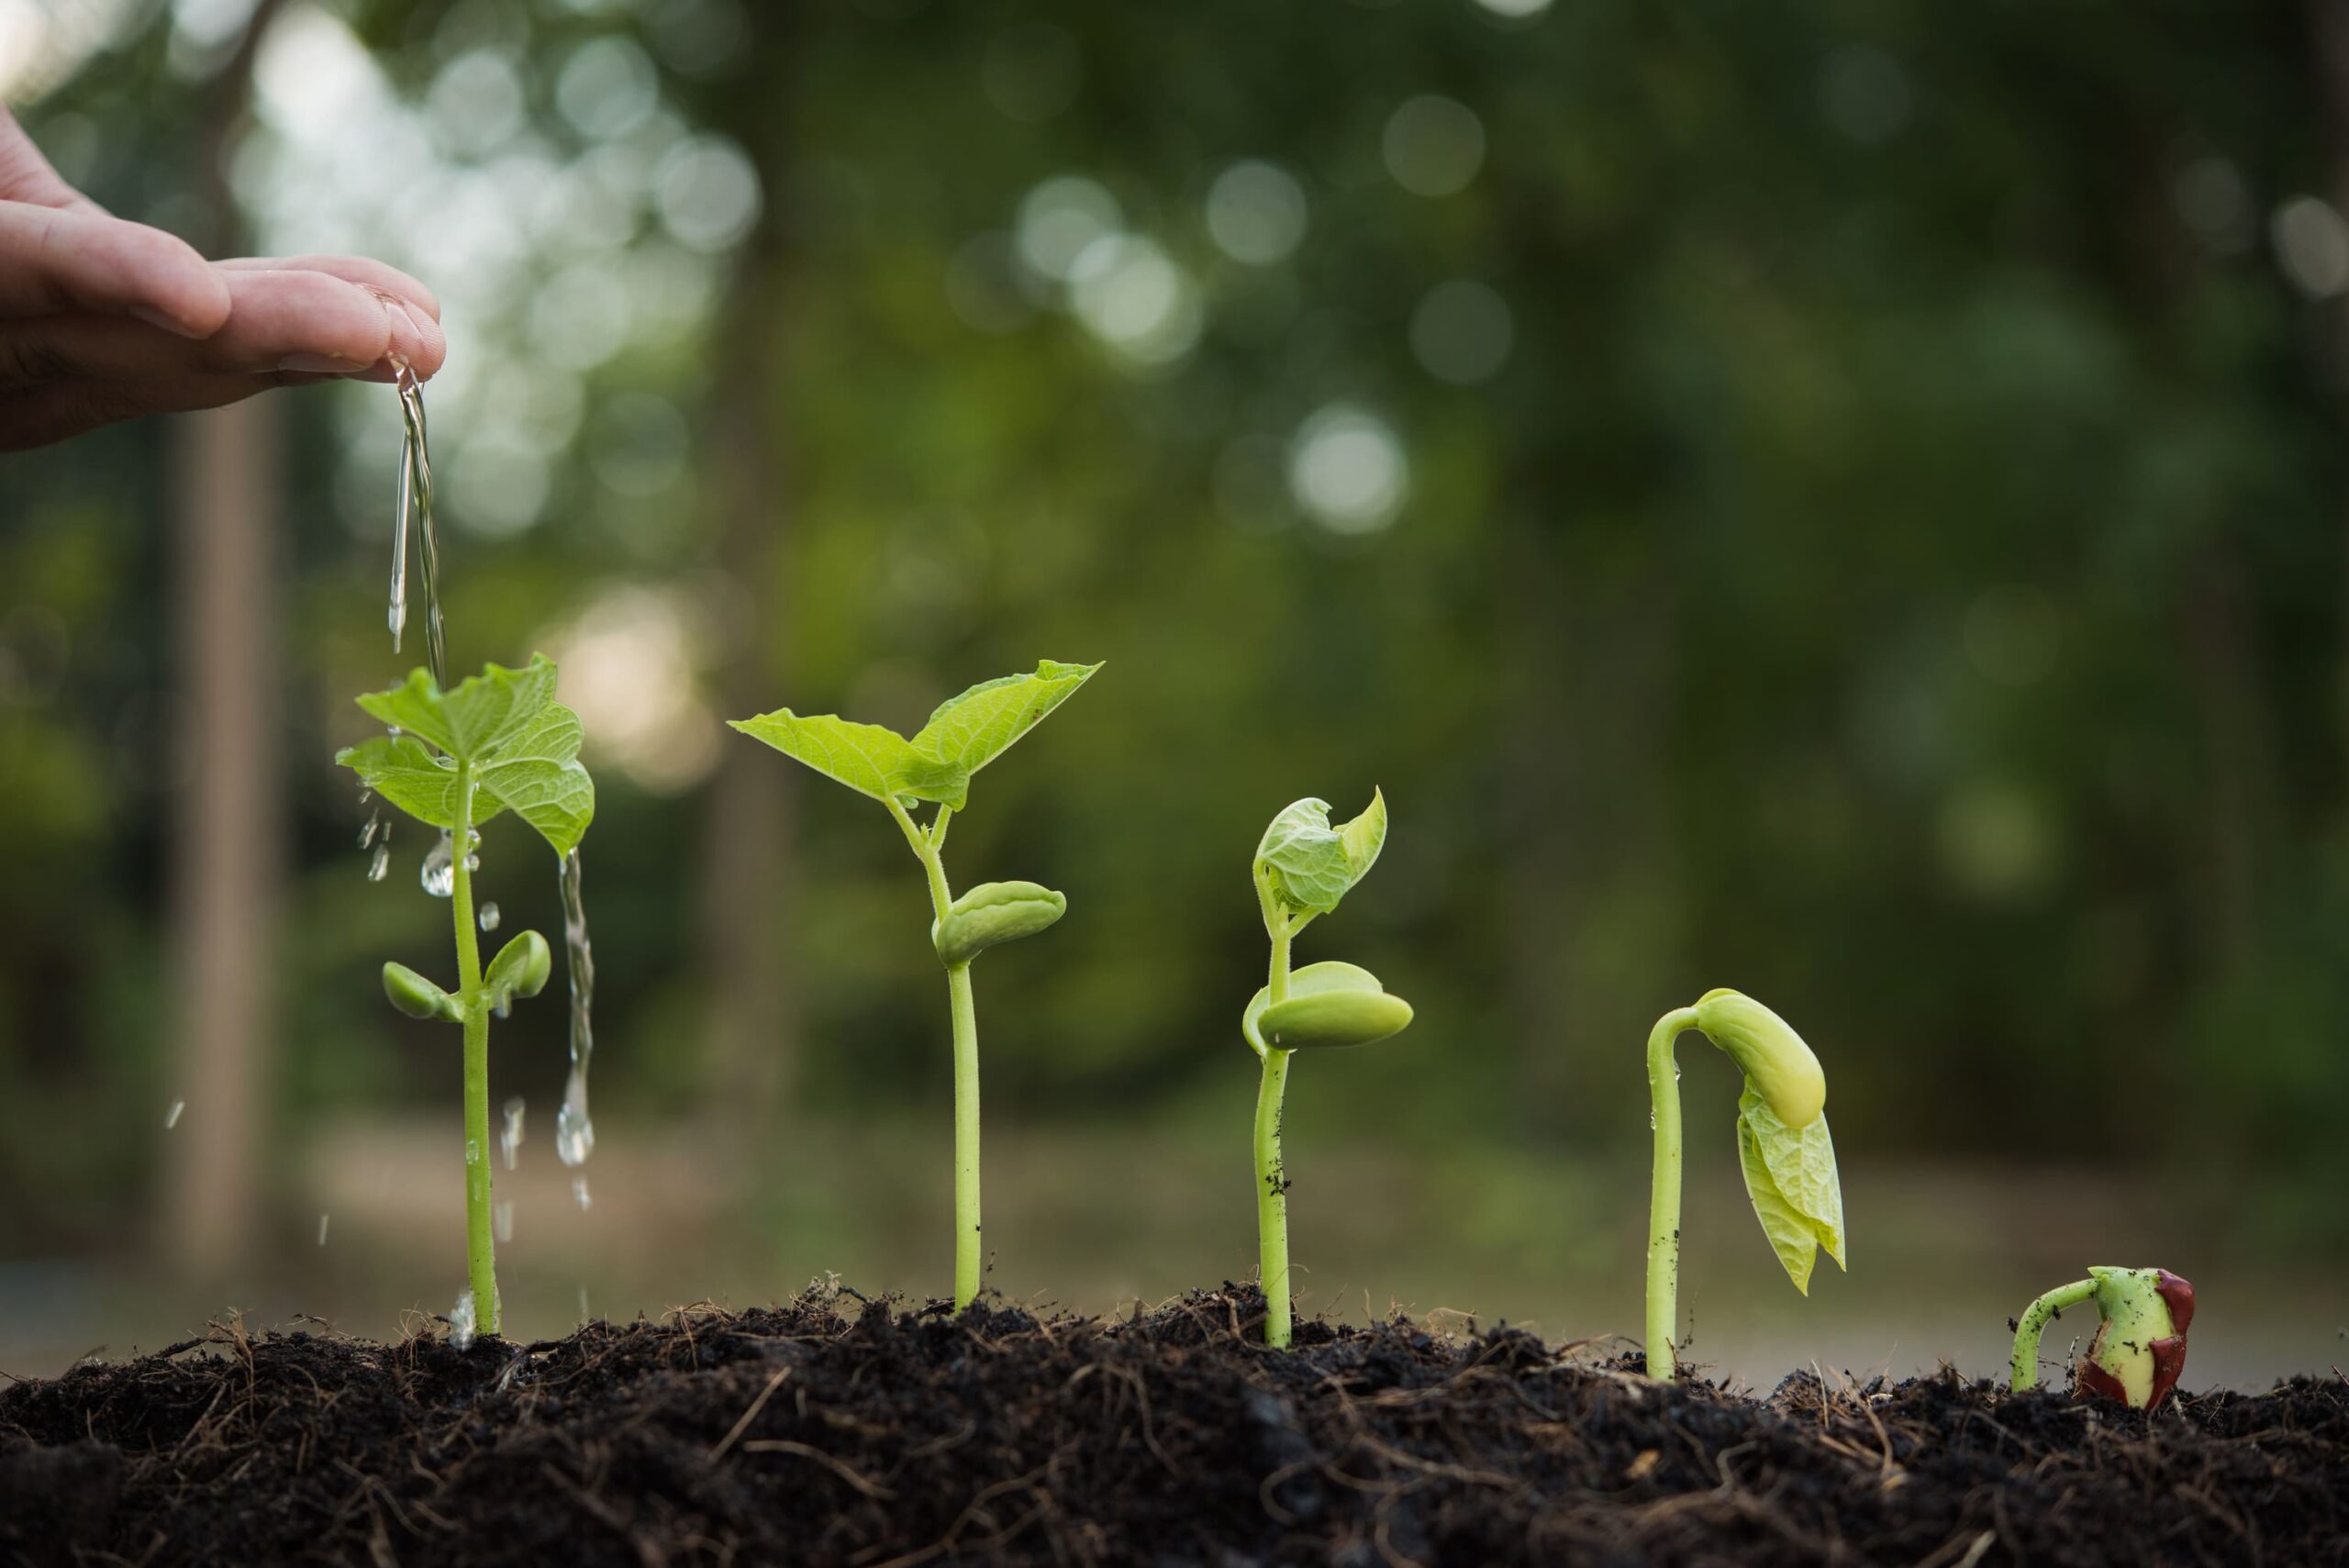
{"points": [[1256, 213], [1433, 146], [1348, 469], [1060, 217], [1461, 332]]}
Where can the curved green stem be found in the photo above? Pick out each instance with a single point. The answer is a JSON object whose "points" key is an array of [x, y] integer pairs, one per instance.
{"points": [[1664, 1200], [481, 1241], [968, 1258], [1272, 1178], [2025, 1366]]}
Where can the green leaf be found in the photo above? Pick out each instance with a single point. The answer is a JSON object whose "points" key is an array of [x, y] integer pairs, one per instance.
{"points": [[1790, 1176], [535, 773], [473, 721], [968, 731], [1333, 1018], [522, 746], [418, 997], [519, 971], [993, 913], [867, 758], [1309, 866], [406, 772], [1313, 980]]}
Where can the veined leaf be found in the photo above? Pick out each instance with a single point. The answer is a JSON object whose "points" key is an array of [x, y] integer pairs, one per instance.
{"points": [[968, 731], [1309, 865], [522, 745], [406, 772], [1790, 1176], [867, 758], [470, 722], [536, 773]]}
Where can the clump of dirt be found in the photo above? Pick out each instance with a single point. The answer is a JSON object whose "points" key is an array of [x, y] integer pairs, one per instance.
{"points": [[836, 1432]]}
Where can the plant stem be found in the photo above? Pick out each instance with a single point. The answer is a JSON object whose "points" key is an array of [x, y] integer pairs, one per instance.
{"points": [[968, 1260], [480, 1242], [1272, 1179], [1663, 1198], [2032, 1322]]}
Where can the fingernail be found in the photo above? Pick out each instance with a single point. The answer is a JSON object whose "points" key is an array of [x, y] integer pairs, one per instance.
{"points": [[158, 319], [329, 364]]}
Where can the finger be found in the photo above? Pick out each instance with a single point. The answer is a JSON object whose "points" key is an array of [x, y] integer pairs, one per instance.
{"points": [[279, 321], [55, 412], [417, 342], [26, 175], [361, 270], [52, 261]]}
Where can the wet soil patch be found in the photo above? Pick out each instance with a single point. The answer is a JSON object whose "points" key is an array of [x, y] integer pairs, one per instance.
{"points": [[837, 1431]]}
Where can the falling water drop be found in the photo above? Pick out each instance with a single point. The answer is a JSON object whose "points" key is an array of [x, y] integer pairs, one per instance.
{"points": [[382, 865], [322, 1229], [501, 1220], [438, 874], [461, 1322], [579, 1191], [171, 1117], [367, 834], [489, 916], [510, 1138], [574, 1129]]}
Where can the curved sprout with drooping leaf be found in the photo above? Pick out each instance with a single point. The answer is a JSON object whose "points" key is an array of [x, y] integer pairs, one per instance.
{"points": [[455, 760], [2140, 1344], [1304, 867], [1782, 1146], [934, 767]]}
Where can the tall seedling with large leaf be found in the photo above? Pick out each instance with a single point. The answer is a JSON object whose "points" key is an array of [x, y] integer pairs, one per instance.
{"points": [[1304, 866], [1782, 1145], [934, 767], [454, 760]]}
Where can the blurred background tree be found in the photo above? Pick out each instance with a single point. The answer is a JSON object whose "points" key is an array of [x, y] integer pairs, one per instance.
{"points": [[1842, 502]]}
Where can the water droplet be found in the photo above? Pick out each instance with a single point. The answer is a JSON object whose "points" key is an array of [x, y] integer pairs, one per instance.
{"points": [[574, 1134], [501, 1220], [439, 874], [579, 1191], [1651, 1121], [171, 1117], [322, 1229], [489, 916], [1676, 1072], [367, 834], [381, 863], [510, 1139], [461, 1322], [473, 1153]]}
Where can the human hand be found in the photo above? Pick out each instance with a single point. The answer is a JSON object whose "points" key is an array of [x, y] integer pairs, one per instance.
{"points": [[103, 320]]}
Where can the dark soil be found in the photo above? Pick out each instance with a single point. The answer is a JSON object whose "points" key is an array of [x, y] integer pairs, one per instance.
{"points": [[831, 1431]]}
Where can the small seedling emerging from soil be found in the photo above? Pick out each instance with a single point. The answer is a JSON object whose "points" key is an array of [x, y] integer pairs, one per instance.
{"points": [[1304, 866], [2140, 1344], [965, 735], [454, 760], [1782, 1144]]}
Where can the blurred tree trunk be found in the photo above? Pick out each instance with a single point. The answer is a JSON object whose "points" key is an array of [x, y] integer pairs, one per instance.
{"points": [[747, 851], [225, 866]]}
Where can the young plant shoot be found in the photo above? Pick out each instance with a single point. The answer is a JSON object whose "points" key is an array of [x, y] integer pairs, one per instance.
{"points": [[454, 760], [965, 735], [1304, 866], [2140, 1344], [1782, 1144]]}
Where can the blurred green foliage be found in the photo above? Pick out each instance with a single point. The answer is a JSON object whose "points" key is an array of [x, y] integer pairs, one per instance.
{"points": [[1894, 566]]}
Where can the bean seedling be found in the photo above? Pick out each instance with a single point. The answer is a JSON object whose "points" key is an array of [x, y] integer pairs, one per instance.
{"points": [[935, 766], [1304, 866], [454, 760], [1782, 1145], [2140, 1344]]}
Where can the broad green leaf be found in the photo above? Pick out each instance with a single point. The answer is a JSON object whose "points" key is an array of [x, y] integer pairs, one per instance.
{"points": [[1309, 865], [867, 758], [473, 721], [535, 771], [968, 731], [1313, 980], [404, 770], [1790, 1176]]}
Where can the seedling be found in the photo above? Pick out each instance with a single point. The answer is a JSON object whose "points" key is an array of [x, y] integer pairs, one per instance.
{"points": [[2140, 1344], [1304, 867], [1782, 1144], [454, 760], [965, 735]]}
